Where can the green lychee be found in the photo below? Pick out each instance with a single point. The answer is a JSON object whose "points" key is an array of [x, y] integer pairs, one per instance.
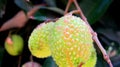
{"points": [[37, 43], [71, 42], [14, 45]]}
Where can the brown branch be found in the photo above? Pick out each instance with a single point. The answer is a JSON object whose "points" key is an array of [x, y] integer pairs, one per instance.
{"points": [[68, 5], [19, 61], [31, 58]]}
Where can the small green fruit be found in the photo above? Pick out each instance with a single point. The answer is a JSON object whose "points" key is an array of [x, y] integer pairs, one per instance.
{"points": [[38, 44], [14, 45]]}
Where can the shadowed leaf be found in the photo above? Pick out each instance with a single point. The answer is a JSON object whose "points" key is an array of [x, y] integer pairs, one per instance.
{"points": [[109, 35], [2, 7], [23, 4], [45, 13], [51, 3], [49, 62], [94, 9]]}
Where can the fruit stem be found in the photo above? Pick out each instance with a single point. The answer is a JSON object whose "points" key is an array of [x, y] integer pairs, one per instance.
{"points": [[80, 64], [19, 61], [31, 58], [68, 5], [94, 34]]}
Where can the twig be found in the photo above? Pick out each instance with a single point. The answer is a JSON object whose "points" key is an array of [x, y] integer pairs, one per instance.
{"points": [[31, 58], [19, 61], [68, 5]]}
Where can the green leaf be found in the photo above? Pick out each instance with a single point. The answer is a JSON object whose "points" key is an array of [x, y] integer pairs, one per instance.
{"points": [[94, 9], [45, 13], [49, 62], [51, 3], [2, 7], [2, 3], [55, 9], [26, 6], [1, 55]]}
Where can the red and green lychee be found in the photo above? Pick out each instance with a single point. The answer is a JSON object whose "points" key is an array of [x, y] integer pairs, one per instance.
{"points": [[14, 44]]}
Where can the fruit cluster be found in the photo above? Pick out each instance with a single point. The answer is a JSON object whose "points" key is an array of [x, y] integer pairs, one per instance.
{"points": [[68, 41]]}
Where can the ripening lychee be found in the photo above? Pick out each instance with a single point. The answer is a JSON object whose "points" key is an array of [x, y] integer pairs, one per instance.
{"points": [[14, 44], [71, 42], [37, 43]]}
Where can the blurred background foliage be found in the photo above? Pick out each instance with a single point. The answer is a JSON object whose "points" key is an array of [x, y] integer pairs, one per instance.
{"points": [[103, 15]]}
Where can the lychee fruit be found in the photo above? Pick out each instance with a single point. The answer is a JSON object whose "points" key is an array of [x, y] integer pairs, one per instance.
{"points": [[14, 44], [71, 42], [37, 43]]}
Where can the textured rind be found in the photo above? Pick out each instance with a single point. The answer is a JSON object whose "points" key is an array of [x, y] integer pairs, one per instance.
{"points": [[37, 43], [17, 46], [92, 60], [71, 42]]}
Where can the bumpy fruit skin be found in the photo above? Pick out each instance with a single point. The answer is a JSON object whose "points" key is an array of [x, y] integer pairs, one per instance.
{"points": [[37, 43], [16, 47], [92, 61], [31, 64], [71, 42]]}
